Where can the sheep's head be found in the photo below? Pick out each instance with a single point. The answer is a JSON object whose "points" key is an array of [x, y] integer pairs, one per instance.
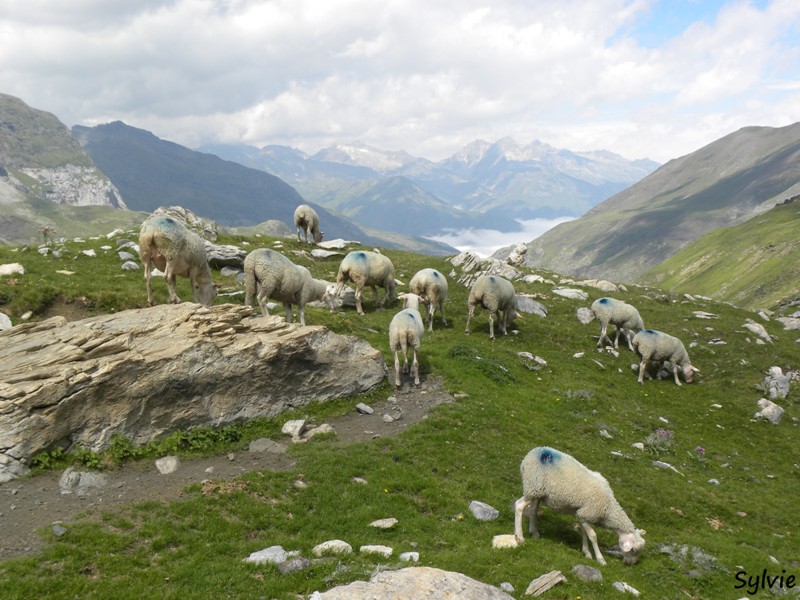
{"points": [[631, 545], [318, 236], [688, 372], [206, 293], [410, 300]]}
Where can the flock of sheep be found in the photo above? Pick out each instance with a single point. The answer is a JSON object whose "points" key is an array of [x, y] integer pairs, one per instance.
{"points": [[549, 476]]}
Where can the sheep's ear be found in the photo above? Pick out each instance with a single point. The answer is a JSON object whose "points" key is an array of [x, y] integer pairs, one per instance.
{"points": [[642, 532], [627, 545]]}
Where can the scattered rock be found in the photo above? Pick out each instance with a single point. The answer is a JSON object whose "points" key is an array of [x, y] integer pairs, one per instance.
{"points": [[482, 511], [776, 383], [273, 554], [662, 465], [168, 464], [12, 269], [638, 446], [600, 284], [384, 551], [266, 445], [585, 315], [419, 583], [5, 321], [505, 540], [757, 329], [769, 411], [364, 409], [713, 481], [587, 573], [129, 265], [295, 563], [526, 304], [319, 430], [318, 253], [80, 481], [337, 244], [294, 428], [570, 293], [409, 557], [332, 547], [621, 586], [541, 584], [700, 314], [58, 530], [384, 523]]}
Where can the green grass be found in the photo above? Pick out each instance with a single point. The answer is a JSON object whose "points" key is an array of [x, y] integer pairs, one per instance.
{"points": [[466, 450]]}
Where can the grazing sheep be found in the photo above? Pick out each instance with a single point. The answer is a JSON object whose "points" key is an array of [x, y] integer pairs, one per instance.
{"points": [[652, 345], [565, 485], [175, 250], [618, 313], [405, 331], [497, 296], [307, 220], [431, 286], [367, 269], [269, 274]]}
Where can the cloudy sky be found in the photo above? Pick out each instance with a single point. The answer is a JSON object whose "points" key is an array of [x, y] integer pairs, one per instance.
{"points": [[643, 78]]}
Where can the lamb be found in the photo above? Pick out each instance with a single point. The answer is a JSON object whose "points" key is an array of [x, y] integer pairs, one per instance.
{"points": [[567, 486], [652, 345], [175, 250], [618, 313], [405, 331], [367, 269], [497, 296], [307, 220], [269, 274], [431, 286]]}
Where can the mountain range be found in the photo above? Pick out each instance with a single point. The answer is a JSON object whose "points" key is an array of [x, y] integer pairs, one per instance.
{"points": [[723, 184], [485, 185]]}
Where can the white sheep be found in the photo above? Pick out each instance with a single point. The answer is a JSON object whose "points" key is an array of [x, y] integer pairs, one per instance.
{"points": [[270, 275], [306, 219], [367, 269], [657, 346], [405, 331], [431, 286], [175, 250], [565, 485], [618, 313], [497, 296]]}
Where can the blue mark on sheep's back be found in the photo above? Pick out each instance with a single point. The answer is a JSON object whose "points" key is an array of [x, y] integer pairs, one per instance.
{"points": [[360, 255], [650, 332], [436, 274], [605, 301], [548, 456]]}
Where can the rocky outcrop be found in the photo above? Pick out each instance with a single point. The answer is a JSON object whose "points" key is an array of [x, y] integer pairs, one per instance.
{"points": [[145, 373], [76, 186], [420, 583]]}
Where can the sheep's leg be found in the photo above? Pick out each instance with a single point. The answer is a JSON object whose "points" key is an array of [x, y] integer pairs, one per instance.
{"points": [[532, 516], [616, 338], [378, 302], [359, 293], [301, 310], [298, 233], [675, 373], [194, 286], [415, 368], [590, 535], [603, 335], [642, 367], [519, 509], [261, 297], [470, 313], [169, 275], [396, 369], [288, 308], [441, 311], [148, 276], [491, 325]]}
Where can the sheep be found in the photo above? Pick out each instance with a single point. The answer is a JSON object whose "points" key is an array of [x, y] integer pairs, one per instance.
{"points": [[431, 286], [175, 250], [367, 269], [652, 345], [405, 331], [618, 313], [497, 296], [306, 219], [269, 274], [565, 485]]}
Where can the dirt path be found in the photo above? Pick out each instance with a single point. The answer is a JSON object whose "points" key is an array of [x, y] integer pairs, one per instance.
{"points": [[30, 504]]}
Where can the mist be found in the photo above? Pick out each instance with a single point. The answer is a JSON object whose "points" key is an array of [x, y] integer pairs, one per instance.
{"points": [[485, 242]]}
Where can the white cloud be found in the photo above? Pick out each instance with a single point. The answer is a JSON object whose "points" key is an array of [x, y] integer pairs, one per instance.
{"points": [[406, 74], [485, 242]]}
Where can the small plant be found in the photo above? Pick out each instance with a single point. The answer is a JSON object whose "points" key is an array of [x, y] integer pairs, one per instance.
{"points": [[660, 441]]}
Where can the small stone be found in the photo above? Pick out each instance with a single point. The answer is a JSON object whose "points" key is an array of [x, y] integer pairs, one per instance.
{"points": [[320, 430], [364, 409], [638, 446], [59, 530], [273, 554], [505, 540], [482, 511], [587, 573], [606, 435], [384, 523], [294, 428], [300, 484], [388, 418], [168, 464], [384, 551], [359, 480], [621, 586], [578, 355], [296, 563], [713, 481], [266, 445], [332, 547], [231, 456], [410, 557], [507, 587]]}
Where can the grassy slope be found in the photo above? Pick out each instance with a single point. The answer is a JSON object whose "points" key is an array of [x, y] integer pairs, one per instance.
{"points": [[468, 450], [754, 265]]}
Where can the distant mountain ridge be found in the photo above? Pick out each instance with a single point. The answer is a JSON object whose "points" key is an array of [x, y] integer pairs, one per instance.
{"points": [[484, 185], [724, 183]]}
